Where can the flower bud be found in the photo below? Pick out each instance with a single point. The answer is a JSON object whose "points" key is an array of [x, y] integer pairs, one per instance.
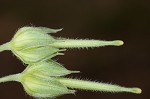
{"points": [[43, 86], [43, 81], [33, 44], [30, 44], [40, 80]]}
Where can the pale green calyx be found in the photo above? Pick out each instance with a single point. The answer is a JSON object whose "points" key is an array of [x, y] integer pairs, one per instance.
{"points": [[30, 44], [34, 44], [43, 86], [40, 80]]}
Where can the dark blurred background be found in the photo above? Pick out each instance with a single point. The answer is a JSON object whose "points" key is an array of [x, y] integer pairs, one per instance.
{"points": [[128, 20]]}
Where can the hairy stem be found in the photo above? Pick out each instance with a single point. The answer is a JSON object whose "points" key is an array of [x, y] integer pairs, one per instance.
{"points": [[14, 77], [71, 43], [96, 86], [4, 47]]}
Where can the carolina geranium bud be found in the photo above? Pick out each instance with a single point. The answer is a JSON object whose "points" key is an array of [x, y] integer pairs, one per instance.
{"points": [[43, 86], [33, 44], [30, 44], [41, 81], [39, 85], [45, 80]]}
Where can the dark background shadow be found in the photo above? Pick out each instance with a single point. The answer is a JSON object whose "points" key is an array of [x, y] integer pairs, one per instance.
{"points": [[127, 20]]}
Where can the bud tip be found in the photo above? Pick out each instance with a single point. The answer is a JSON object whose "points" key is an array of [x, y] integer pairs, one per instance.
{"points": [[137, 90], [119, 42]]}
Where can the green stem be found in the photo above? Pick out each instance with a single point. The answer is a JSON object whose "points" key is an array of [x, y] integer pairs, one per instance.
{"points": [[96, 86], [14, 77], [5, 46], [71, 43]]}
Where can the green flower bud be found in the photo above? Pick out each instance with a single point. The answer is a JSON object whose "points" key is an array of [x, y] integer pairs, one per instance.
{"points": [[30, 44], [44, 80], [33, 44], [43, 86], [41, 81]]}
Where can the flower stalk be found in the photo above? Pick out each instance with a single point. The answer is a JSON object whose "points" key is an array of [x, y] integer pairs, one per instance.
{"points": [[9, 78], [4, 47]]}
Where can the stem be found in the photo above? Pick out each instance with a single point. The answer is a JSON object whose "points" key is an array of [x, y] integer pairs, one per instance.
{"points": [[5, 46], [71, 43], [95, 86], [14, 77]]}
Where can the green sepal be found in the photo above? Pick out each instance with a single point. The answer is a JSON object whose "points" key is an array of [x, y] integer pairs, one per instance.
{"points": [[36, 29], [34, 55], [49, 68], [27, 37]]}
